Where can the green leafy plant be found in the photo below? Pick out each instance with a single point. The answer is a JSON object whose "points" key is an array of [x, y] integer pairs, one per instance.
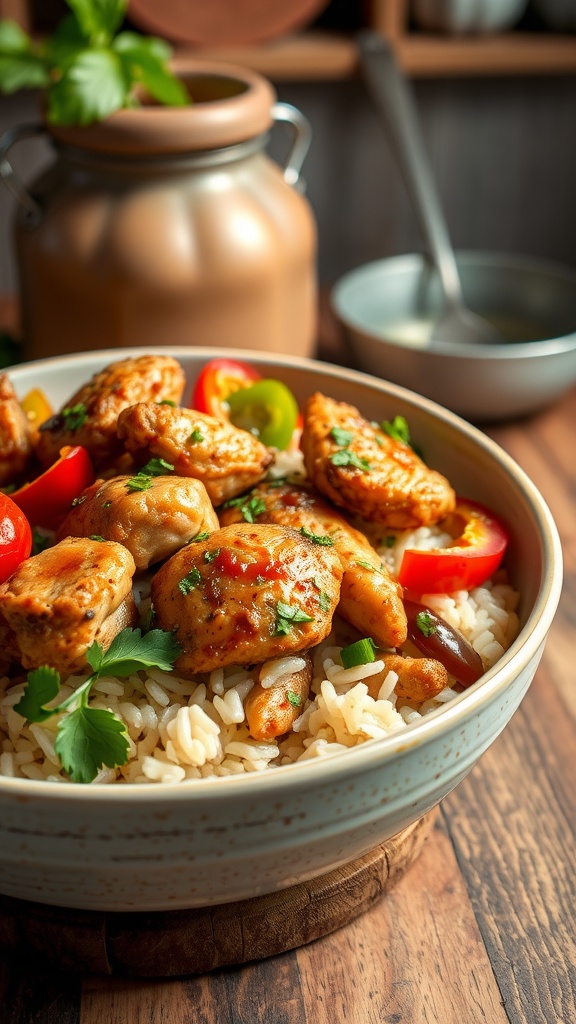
{"points": [[88, 68], [87, 737]]}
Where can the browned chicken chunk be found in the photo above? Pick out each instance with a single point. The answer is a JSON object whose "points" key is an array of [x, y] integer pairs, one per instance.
{"points": [[15, 435], [419, 679], [370, 598], [227, 460], [89, 417], [367, 472], [246, 594], [152, 517], [61, 600], [272, 710]]}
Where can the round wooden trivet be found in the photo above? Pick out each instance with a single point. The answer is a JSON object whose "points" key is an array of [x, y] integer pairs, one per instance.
{"points": [[183, 942]]}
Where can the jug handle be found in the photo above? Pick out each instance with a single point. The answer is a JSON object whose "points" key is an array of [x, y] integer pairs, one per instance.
{"points": [[302, 139], [10, 137]]}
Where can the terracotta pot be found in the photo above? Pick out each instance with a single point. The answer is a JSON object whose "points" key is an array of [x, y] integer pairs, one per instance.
{"points": [[169, 226]]}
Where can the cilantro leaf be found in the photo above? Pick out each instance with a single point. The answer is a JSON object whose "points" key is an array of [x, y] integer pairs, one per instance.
{"points": [[341, 436], [88, 739], [93, 87], [74, 416], [144, 60], [344, 457], [189, 581], [42, 686], [293, 698], [21, 66], [130, 651], [287, 615], [98, 19], [397, 429], [425, 623], [319, 538], [140, 482], [156, 467]]}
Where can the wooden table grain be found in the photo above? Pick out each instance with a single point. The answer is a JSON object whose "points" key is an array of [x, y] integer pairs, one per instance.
{"points": [[480, 929]]}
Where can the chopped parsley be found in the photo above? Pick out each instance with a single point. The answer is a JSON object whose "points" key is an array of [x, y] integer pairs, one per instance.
{"points": [[425, 623], [344, 457], [196, 436], [166, 401], [96, 536], [74, 416], [203, 535], [89, 738], [324, 601], [250, 507], [209, 556], [39, 542], [397, 429], [293, 698], [140, 482], [156, 467], [318, 538], [190, 581], [341, 437], [287, 615], [373, 568]]}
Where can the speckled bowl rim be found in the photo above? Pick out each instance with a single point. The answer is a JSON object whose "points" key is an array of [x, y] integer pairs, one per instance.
{"points": [[366, 755]]}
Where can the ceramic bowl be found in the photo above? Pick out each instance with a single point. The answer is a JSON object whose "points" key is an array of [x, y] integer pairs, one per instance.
{"points": [[387, 308], [162, 847], [467, 16]]}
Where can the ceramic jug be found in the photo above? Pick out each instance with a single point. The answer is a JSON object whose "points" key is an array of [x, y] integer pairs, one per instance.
{"points": [[169, 226]]}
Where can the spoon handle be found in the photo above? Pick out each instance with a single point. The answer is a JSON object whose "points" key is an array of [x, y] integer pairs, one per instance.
{"points": [[393, 98]]}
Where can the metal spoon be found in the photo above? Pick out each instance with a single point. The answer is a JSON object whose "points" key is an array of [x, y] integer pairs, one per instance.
{"points": [[392, 97]]}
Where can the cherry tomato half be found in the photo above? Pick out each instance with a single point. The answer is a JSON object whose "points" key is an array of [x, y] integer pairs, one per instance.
{"points": [[474, 555], [15, 537], [267, 409], [217, 380], [47, 499]]}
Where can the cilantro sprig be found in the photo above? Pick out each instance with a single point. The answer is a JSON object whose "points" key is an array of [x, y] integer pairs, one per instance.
{"points": [[89, 738], [88, 68]]}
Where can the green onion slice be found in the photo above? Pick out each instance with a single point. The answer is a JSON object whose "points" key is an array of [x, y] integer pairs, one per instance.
{"points": [[360, 653]]}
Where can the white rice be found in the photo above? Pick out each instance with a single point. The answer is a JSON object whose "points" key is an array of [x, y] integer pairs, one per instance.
{"points": [[183, 730]]}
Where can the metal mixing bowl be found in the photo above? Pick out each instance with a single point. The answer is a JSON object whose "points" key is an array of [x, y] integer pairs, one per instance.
{"points": [[385, 304]]}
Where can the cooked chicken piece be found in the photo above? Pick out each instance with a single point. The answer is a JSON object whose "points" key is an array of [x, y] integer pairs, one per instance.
{"points": [[272, 710], [15, 435], [364, 470], [246, 594], [370, 598], [61, 600], [419, 679], [152, 516], [227, 460], [89, 417]]}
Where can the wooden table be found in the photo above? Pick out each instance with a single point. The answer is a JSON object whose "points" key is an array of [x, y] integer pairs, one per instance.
{"points": [[481, 928]]}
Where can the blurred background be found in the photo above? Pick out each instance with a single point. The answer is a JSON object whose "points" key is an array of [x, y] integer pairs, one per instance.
{"points": [[497, 103]]}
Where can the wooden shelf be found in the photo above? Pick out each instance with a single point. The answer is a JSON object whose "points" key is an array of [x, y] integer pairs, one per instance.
{"points": [[324, 55]]}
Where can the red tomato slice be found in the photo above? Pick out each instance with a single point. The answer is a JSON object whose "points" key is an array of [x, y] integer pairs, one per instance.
{"points": [[218, 379], [47, 499], [15, 537], [474, 555]]}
